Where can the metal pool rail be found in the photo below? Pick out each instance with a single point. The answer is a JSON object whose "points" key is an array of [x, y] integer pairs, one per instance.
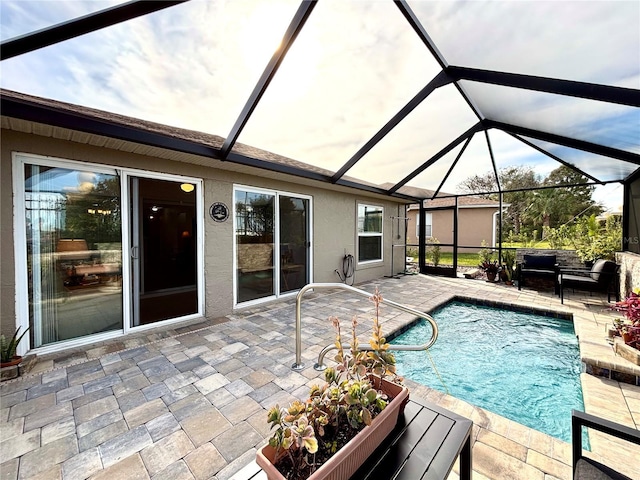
{"points": [[298, 365]]}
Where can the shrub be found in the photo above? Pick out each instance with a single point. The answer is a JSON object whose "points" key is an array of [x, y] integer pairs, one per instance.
{"points": [[486, 253], [433, 252], [508, 260], [593, 240]]}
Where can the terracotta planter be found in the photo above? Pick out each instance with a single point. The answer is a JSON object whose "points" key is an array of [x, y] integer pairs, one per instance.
{"points": [[11, 369], [491, 276], [11, 363], [350, 457]]}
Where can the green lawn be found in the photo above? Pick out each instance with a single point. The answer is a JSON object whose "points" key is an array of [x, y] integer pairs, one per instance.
{"points": [[464, 259], [472, 259]]}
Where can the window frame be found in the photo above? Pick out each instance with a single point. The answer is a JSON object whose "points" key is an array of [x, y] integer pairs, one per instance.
{"points": [[427, 224], [276, 236], [364, 234]]}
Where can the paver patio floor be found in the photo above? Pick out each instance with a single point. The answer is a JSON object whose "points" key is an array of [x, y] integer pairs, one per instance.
{"points": [[190, 401]]}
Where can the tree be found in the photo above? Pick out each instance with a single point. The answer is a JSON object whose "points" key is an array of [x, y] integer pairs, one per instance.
{"points": [[511, 178], [570, 201], [536, 210]]}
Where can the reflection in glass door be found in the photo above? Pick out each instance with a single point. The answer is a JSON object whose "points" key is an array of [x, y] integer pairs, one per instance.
{"points": [[272, 244], [163, 249], [74, 252], [254, 221]]}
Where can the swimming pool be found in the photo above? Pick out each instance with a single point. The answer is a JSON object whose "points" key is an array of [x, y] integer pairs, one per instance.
{"points": [[522, 366]]}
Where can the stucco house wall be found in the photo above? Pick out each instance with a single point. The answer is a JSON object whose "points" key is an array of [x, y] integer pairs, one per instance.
{"points": [[334, 215], [475, 224]]}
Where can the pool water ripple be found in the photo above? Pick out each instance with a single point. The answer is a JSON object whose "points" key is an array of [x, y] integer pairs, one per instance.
{"points": [[522, 366]]}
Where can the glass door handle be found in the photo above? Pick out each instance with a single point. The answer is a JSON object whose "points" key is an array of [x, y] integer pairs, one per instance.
{"points": [[134, 252]]}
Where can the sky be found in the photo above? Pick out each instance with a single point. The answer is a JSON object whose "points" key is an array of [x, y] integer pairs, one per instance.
{"points": [[355, 64]]}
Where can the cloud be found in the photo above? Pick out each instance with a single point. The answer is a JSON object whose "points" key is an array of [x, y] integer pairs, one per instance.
{"points": [[354, 66]]}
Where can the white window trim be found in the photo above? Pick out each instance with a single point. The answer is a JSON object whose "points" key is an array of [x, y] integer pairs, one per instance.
{"points": [[428, 216], [369, 234]]}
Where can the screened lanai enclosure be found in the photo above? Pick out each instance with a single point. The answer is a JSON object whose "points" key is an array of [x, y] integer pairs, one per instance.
{"points": [[393, 97]]}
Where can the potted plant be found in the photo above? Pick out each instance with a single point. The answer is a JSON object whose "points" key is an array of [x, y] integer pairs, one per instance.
{"points": [[9, 361], [491, 268], [343, 421], [487, 264], [629, 328], [508, 260]]}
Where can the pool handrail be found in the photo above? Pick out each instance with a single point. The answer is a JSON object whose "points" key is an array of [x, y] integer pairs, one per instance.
{"points": [[298, 365]]}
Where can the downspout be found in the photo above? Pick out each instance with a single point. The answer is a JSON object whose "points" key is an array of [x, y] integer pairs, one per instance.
{"points": [[500, 229], [494, 224], [455, 238], [422, 249]]}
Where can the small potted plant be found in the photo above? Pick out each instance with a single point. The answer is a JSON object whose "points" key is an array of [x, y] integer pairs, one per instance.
{"points": [[346, 418], [487, 264], [629, 328], [9, 361], [508, 260], [491, 268]]}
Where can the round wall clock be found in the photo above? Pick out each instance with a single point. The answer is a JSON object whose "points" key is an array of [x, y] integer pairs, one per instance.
{"points": [[219, 212]]}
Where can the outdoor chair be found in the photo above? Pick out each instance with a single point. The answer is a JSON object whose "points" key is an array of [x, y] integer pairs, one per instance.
{"points": [[585, 468], [602, 277]]}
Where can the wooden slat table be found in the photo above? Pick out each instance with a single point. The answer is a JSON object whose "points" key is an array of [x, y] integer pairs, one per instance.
{"points": [[424, 446]]}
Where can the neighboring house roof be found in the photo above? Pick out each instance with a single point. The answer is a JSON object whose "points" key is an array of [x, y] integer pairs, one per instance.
{"points": [[52, 118], [447, 199]]}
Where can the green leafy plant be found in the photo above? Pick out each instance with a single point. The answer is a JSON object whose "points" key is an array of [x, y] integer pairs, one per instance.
{"points": [[508, 261], [593, 240], [558, 237], [485, 254], [629, 329], [305, 435], [433, 252], [8, 348], [491, 267]]}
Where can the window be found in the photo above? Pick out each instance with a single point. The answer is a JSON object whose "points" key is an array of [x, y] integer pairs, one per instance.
{"points": [[427, 225], [369, 233]]}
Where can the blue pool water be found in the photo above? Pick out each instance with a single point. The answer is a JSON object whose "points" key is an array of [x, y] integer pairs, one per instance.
{"points": [[522, 366]]}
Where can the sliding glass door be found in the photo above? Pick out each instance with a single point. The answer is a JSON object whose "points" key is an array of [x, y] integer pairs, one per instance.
{"points": [[272, 247], [163, 249], [71, 280], [73, 252], [254, 227], [294, 243]]}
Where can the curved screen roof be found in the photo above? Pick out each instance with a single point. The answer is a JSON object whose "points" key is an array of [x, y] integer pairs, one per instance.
{"points": [[408, 93]]}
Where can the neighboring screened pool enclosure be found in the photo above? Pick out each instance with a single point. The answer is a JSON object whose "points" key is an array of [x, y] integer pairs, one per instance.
{"points": [[403, 93]]}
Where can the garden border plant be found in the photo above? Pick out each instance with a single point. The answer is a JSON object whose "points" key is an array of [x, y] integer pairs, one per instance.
{"points": [[629, 330]]}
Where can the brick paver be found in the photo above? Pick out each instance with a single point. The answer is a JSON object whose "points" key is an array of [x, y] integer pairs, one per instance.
{"points": [[190, 401]]}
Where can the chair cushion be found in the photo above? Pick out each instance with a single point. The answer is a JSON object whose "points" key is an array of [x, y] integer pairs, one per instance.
{"points": [[601, 267], [567, 279], [587, 469], [539, 262], [535, 272]]}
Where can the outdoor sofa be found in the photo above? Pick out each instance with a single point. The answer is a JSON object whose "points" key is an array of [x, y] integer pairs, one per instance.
{"points": [[538, 266]]}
